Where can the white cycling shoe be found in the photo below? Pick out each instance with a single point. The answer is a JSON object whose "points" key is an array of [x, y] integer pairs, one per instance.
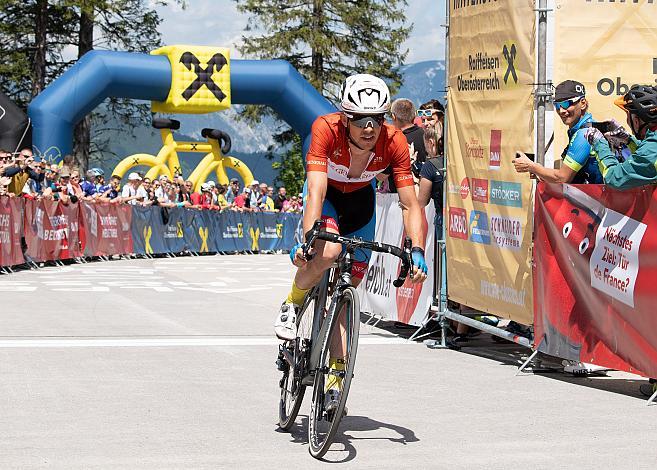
{"points": [[285, 326]]}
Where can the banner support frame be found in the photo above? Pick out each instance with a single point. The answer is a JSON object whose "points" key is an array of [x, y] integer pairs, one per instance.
{"points": [[541, 94]]}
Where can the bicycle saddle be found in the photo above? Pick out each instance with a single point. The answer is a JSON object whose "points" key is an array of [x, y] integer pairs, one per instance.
{"points": [[221, 136], [165, 123]]}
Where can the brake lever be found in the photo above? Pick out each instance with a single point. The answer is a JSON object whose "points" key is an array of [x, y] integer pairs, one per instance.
{"points": [[406, 263], [311, 236]]}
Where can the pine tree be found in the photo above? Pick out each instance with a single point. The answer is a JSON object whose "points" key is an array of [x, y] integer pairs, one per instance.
{"points": [[34, 33], [326, 40]]}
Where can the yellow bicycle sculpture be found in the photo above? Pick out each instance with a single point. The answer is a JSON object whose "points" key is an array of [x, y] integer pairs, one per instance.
{"points": [[167, 162]]}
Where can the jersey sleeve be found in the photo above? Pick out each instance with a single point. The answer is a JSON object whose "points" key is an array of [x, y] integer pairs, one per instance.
{"points": [[578, 153], [321, 146], [639, 170], [401, 161]]}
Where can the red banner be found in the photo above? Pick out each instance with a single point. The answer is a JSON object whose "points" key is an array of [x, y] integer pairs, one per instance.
{"points": [[595, 272], [11, 253], [52, 230], [107, 229]]}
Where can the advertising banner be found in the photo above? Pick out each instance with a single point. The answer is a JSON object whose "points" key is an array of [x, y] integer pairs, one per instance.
{"points": [[52, 230], [490, 117], [158, 230], [106, 229], [608, 46], [11, 253], [596, 265], [409, 303]]}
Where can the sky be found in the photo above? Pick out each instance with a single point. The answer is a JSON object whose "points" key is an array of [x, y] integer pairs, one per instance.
{"points": [[218, 23]]}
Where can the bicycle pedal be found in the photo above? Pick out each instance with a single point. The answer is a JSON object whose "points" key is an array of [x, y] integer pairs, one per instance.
{"points": [[281, 364]]}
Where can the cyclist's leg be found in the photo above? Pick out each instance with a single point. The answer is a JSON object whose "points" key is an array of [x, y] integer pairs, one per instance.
{"points": [[309, 275], [358, 271]]}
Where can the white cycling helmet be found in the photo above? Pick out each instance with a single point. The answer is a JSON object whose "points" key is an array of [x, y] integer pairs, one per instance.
{"points": [[364, 94]]}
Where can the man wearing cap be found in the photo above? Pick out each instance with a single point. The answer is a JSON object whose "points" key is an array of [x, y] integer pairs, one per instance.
{"points": [[254, 195], [133, 192], [579, 158]]}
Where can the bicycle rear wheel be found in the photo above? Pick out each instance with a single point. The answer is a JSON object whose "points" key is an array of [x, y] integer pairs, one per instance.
{"points": [[292, 388], [344, 328]]}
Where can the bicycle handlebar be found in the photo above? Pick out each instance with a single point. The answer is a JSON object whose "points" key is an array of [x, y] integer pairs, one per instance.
{"points": [[221, 136], [404, 254]]}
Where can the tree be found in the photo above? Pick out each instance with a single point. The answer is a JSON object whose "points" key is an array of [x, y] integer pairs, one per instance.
{"points": [[35, 33], [290, 167], [327, 40]]}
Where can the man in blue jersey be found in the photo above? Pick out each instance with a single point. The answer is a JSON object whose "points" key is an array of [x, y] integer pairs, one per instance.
{"points": [[580, 165]]}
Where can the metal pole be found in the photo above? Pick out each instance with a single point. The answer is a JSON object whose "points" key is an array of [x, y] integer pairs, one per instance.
{"points": [[542, 93], [442, 252]]}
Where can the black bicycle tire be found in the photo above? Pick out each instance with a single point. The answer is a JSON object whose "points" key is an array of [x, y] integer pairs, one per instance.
{"points": [[285, 422], [318, 451]]}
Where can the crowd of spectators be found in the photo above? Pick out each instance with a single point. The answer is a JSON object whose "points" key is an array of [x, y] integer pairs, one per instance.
{"points": [[21, 175]]}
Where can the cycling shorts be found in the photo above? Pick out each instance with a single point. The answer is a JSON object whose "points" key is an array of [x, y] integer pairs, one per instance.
{"points": [[352, 215]]}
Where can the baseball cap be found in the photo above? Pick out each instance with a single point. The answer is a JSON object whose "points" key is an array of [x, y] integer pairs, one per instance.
{"points": [[212, 184], [234, 180], [134, 177], [254, 182], [206, 187], [64, 173], [569, 89]]}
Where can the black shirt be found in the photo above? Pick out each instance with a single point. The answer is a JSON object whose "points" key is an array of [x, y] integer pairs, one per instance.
{"points": [[430, 171], [278, 202], [415, 138]]}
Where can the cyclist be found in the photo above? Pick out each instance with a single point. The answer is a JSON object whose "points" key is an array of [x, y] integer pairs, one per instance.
{"points": [[640, 104], [579, 161], [347, 150]]}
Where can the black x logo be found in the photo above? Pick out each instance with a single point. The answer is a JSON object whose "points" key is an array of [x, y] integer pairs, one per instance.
{"points": [[203, 75], [510, 56], [135, 161], [193, 147]]}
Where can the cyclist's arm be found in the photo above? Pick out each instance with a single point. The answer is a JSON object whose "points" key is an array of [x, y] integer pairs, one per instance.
{"points": [[637, 171], [317, 183]]}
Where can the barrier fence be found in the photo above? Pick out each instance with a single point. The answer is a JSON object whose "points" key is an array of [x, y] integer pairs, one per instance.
{"points": [[595, 269], [54, 231]]}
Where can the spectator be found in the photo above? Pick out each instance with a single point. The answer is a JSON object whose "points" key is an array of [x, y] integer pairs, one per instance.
{"points": [[70, 164], [89, 184], [50, 182], [62, 185], [110, 192], [265, 203], [240, 203], [579, 161], [254, 195], [221, 198], [162, 193], [233, 190], [432, 177], [20, 172], [640, 104], [280, 199], [186, 191], [132, 192], [432, 114]]}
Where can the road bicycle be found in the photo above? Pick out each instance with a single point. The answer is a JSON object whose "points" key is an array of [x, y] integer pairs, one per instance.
{"points": [[328, 320], [167, 161]]}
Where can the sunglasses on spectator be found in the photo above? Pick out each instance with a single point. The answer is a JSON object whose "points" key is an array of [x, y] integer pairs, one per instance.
{"points": [[363, 121], [565, 104], [428, 112]]}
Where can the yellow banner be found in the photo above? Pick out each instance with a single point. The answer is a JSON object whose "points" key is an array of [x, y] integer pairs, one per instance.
{"points": [[490, 117], [200, 80], [608, 46]]}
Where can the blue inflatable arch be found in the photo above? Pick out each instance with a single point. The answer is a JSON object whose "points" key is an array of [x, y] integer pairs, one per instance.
{"points": [[102, 74]]}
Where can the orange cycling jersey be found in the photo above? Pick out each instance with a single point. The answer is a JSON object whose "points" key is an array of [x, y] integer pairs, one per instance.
{"points": [[329, 152]]}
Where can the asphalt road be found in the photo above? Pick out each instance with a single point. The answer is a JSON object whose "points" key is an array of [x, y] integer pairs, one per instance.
{"points": [[169, 363]]}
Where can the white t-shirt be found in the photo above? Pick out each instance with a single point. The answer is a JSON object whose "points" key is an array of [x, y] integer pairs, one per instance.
{"points": [[130, 191]]}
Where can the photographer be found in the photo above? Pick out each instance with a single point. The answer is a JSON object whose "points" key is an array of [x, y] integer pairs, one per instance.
{"points": [[21, 171]]}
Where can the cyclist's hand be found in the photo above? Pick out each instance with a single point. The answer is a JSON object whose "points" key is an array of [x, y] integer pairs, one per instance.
{"points": [[296, 256], [617, 135], [420, 268], [593, 135]]}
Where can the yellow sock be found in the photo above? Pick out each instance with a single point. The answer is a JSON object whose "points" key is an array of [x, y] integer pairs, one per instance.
{"points": [[296, 295], [334, 381]]}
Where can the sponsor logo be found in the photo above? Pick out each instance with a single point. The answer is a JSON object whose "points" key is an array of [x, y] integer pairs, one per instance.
{"points": [[458, 223], [473, 149], [464, 188], [480, 190], [495, 149], [506, 232], [479, 231], [615, 86], [505, 193], [509, 52]]}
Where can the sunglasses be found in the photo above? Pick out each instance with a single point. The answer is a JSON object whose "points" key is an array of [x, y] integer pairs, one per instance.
{"points": [[565, 104], [362, 122], [428, 112]]}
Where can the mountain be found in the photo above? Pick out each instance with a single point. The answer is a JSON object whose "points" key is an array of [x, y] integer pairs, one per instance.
{"points": [[421, 82]]}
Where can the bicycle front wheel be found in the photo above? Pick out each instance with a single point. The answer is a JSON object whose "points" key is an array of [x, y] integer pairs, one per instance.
{"points": [[339, 345], [292, 388]]}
